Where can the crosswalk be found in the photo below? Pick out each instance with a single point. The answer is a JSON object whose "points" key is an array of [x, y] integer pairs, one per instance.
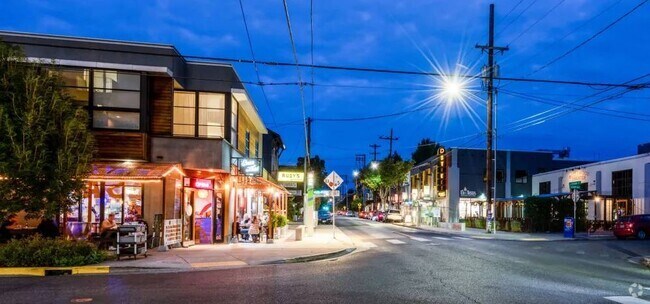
{"points": [[426, 240]]}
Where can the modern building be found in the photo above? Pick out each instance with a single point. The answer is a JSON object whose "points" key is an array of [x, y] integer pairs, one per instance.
{"points": [[612, 188], [450, 186], [179, 142]]}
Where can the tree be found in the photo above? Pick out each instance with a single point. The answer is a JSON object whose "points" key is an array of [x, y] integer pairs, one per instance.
{"points": [[426, 148], [318, 167], [391, 173], [45, 145]]}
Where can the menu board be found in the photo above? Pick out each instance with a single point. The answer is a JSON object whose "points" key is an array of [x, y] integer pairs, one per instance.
{"points": [[172, 232]]}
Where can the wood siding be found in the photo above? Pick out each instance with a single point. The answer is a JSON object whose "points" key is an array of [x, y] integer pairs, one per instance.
{"points": [[162, 105], [120, 145]]}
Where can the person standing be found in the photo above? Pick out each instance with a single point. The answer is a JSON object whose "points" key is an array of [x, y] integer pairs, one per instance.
{"points": [[254, 229]]}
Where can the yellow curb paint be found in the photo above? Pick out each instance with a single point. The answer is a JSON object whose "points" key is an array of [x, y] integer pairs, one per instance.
{"points": [[218, 264], [40, 271], [22, 271]]}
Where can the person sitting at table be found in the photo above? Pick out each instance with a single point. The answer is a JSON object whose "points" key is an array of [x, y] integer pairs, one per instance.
{"points": [[47, 228], [254, 229], [108, 229]]}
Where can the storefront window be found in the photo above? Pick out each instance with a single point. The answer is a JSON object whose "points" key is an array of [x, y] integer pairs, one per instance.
{"points": [[133, 203], [114, 202]]}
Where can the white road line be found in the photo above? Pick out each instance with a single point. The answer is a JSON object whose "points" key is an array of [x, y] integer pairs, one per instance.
{"points": [[395, 242], [433, 244], [441, 238], [368, 244], [627, 300], [462, 238], [419, 239]]}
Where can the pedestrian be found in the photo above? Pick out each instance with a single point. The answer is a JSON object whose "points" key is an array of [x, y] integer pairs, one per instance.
{"points": [[254, 229]]}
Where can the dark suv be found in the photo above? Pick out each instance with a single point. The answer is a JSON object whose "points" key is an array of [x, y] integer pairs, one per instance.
{"points": [[633, 225]]}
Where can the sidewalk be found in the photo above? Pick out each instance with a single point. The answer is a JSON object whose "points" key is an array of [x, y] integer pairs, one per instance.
{"points": [[320, 246], [514, 236]]}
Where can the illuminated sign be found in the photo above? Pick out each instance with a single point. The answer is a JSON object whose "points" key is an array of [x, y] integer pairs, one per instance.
{"points": [[468, 193], [288, 176], [198, 183], [441, 170], [250, 166]]}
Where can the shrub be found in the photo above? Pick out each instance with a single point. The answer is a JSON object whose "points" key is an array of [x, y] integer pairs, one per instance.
{"points": [[279, 220], [515, 226], [480, 223], [39, 252]]}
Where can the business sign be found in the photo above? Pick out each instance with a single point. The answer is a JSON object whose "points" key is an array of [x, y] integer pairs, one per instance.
{"points": [[441, 170], [468, 193], [250, 166], [198, 183], [289, 185], [291, 176], [172, 232]]}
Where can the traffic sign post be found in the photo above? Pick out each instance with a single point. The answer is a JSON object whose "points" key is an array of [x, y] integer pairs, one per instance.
{"points": [[575, 196], [333, 180]]}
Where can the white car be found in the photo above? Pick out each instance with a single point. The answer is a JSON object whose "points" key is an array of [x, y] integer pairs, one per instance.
{"points": [[393, 216]]}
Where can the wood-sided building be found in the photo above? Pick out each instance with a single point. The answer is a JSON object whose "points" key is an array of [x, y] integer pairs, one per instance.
{"points": [[171, 135]]}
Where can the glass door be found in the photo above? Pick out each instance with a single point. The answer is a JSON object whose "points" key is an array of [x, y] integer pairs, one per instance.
{"points": [[203, 209]]}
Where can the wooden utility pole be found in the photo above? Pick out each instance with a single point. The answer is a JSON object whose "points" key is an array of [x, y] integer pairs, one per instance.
{"points": [[488, 77], [374, 151], [390, 139]]}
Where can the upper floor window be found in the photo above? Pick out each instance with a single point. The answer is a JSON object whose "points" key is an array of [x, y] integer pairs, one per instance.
{"points": [[622, 183], [545, 188], [234, 121], [76, 83], [521, 176], [116, 100], [199, 114], [257, 148], [247, 144]]}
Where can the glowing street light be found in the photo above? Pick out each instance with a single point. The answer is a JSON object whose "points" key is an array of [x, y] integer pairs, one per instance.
{"points": [[355, 173], [374, 165]]}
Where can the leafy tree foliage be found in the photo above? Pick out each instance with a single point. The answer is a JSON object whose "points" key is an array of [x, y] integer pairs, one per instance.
{"points": [[318, 167], [391, 173], [45, 145], [426, 148]]}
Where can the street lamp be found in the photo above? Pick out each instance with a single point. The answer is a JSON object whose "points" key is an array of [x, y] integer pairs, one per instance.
{"points": [[374, 165], [355, 173]]}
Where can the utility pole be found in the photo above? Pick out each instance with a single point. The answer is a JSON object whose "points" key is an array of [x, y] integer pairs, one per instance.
{"points": [[308, 210], [361, 160], [489, 74], [390, 139], [374, 152]]}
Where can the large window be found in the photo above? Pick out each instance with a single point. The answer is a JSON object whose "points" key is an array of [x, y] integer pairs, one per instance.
{"points": [[234, 118], [76, 83], [545, 188], [184, 113], [622, 183], [199, 115], [521, 176], [116, 100], [247, 144]]}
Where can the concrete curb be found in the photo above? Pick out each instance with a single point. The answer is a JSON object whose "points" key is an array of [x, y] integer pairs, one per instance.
{"points": [[528, 239], [313, 258], [45, 271]]}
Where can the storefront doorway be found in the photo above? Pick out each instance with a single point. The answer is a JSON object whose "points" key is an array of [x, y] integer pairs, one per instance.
{"points": [[202, 212]]}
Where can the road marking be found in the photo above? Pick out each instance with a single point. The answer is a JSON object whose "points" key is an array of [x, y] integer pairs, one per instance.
{"points": [[419, 239], [433, 244], [441, 238], [627, 300], [580, 252], [537, 247], [462, 238], [395, 242], [368, 244], [81, 300]]}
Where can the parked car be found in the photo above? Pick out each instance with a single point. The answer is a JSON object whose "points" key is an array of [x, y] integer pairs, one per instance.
{"points": [[362, 214], [324, 217], [393, 216], [633, 225], [350, 213], [369, 215], [378, 216]]}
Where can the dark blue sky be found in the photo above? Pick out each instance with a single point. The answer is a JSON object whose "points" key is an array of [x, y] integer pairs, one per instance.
{"points": [[399, 35]]}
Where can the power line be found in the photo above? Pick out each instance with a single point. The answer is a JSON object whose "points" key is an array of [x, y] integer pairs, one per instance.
{"points": [[257, 72], [512, 9], [311, 34], [379, 116], [536, 22], [302, 94], [610, 25], [515, 19], [340, 68]]}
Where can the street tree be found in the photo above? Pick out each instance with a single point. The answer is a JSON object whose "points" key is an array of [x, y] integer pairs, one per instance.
{"points": [[317, 166], [45, 145], [391, 173], [426, 148]]}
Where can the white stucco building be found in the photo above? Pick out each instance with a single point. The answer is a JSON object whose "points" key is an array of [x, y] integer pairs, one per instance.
{"points": [[612, 188]]}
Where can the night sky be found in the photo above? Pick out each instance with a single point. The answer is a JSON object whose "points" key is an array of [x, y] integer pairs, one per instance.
{"points": [[407, 35]]}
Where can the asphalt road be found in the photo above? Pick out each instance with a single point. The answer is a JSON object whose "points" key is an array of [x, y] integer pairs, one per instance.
{"points": [[394, 265]]}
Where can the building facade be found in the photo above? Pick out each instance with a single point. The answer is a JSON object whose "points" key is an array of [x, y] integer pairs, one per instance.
{"points": [[612, 188], [177, 141], [450, 186]]}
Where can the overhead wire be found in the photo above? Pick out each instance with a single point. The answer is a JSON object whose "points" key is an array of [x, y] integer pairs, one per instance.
{"points": [[536, 22], [257, 72], [515, 19]]}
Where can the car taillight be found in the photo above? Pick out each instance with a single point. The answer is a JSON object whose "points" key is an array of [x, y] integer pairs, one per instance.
{"points": [[629, 224]]}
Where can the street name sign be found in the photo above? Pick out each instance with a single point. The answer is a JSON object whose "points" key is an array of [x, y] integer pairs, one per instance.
{"points": [[575, 185]]}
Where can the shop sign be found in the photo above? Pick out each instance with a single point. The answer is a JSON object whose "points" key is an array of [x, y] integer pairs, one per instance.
{"points": [[467, 193], [251, 166], [289, 185], [288, 176], [326, 193], [198, 183], [172, 232]]}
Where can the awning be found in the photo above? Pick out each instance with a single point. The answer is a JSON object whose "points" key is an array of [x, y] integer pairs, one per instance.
{"points": [[559, 194], [132, 171], [260, 183], [509, 199]]}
